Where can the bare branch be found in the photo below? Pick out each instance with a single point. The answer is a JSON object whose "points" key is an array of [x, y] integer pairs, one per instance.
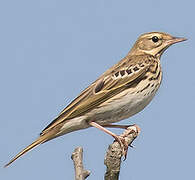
{"points": [[77, 157], [114, 153]]}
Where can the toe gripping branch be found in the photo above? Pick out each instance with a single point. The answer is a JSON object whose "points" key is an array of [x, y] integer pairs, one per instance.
{"points": [[115, 152]]}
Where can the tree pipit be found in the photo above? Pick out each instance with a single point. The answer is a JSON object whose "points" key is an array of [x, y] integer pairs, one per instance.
{"points": [[122, 91]]}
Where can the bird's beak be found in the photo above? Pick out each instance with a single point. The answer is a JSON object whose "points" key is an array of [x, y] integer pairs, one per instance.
{"points": [[175, 40]]}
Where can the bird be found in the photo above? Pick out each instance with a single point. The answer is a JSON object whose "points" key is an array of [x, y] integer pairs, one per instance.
{"points": [[120, 92]]}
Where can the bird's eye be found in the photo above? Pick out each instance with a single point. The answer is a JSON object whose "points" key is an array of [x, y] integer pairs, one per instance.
{"points": [[155, 39]]}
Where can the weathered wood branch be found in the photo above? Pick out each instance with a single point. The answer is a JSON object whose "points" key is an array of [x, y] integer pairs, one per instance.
{"points": [[114, 153], [77, 157], [112, 159]]}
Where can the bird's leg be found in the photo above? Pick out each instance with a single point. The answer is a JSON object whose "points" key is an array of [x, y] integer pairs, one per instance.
{"points": [[116, 126], [120, 140]]}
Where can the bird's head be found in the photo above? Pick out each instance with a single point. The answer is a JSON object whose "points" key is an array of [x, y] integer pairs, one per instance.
{"points": [[154, 43]]}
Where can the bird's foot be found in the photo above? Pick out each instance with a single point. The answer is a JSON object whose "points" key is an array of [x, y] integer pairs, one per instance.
{"points": [[123, 144]]}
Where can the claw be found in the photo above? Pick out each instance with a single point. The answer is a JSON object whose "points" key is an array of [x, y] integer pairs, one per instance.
{"points": [[132, 146]]}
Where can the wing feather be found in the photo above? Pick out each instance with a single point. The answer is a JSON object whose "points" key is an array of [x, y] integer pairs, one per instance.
{"points": [[104, 88]]}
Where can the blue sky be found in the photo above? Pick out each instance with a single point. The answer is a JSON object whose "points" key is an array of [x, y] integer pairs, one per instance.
{"points": [[51, 50]]}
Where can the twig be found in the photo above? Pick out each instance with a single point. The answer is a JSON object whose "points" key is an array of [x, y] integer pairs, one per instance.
{"points": [[114, 153], [77, 157]]}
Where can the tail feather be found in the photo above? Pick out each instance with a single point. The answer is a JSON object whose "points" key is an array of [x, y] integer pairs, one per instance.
{"points": [[38, 141]]}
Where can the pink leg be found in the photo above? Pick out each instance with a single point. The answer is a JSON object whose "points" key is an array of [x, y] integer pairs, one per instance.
{"points": [[116, 126], [119, 139]]}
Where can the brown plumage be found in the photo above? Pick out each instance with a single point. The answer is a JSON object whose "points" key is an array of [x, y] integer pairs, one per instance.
{"points": [[120, 92]]}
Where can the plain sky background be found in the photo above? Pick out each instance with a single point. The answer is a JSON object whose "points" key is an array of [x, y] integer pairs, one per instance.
{"points": [[51, 50]]}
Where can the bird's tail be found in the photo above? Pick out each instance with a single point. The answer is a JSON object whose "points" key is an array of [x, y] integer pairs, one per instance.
{"points": [[38, 141]]}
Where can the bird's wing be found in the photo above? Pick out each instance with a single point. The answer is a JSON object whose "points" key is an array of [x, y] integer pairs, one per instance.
{"points": [[108, 85], [101, 90]]}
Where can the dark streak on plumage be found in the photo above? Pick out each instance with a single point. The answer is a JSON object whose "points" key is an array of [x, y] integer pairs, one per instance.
{"points": [[158, 75], [136, 82], [124, 63], [99, 86], [156, 85], [128, 71], [145, 88], [156, 68], [122, 72], [135, 68], [152, 90], [152, 78], [155, 78], [141, 65], [116, 74]]}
